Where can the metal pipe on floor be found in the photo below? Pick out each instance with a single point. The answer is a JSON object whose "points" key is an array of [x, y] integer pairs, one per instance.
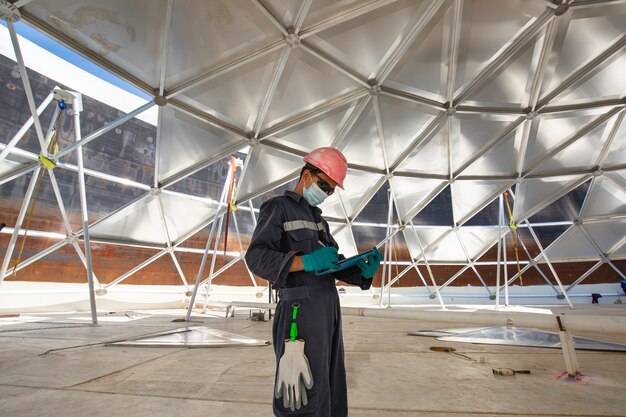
{"points": [[573, 322]]}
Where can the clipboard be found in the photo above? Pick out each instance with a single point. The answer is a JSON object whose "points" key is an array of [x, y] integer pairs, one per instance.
{"points": [[346, 263]]}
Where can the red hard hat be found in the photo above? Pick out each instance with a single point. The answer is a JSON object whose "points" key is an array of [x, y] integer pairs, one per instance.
{"points": [[331, 162]]}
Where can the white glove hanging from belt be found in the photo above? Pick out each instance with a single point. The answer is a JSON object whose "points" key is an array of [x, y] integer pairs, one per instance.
{"points": [[294, 372]]}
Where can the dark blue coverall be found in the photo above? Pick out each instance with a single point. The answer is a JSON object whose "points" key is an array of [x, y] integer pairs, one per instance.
{"points": [[288, 226]]}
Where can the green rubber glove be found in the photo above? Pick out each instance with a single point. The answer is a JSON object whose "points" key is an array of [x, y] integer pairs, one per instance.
{"points": [[369, 268], [321, 259]]}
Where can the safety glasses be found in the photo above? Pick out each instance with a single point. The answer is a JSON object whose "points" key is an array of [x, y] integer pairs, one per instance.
{"points": [[324, 186]]}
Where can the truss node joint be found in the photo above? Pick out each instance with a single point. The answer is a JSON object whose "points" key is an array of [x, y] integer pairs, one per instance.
{"points": [[293, 40], [155, 191], [451, 111], [388, 176], [101, 291], [71, 239], [374, 89], [160, 101], [561, 9], [598, 172], [532, 115], [8, 12], [253, 140]]}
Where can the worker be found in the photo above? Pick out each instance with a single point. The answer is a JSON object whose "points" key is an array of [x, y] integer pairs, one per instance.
{"points": [[290, 243]]}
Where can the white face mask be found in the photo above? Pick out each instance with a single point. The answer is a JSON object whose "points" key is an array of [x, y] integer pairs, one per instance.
{"points": [[314, 194]]}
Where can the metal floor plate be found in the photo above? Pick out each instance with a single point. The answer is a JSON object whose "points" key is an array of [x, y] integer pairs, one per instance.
{"points": [[192, 337], [516, 336]]}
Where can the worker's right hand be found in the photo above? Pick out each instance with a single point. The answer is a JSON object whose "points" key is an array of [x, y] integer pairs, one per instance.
{"points": [[320, 260]]}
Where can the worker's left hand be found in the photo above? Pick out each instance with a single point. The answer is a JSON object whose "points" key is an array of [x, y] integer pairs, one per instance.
{"points": [[369, 268]]}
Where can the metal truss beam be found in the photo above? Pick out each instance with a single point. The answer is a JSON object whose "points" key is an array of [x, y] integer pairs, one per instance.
{"points": [[20, 133], [167, 29], [264, 10], [308, 115], [224, 69], [344, 17], [394, 58], [583, 72], [422, 138], [530, 31], [97, 133], [581, 133], [345, 70], [453, 49]]}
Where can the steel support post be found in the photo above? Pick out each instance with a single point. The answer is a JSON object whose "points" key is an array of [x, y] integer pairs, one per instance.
{"points": [[506, 268], [208, 246], [68, 226], [392, 247], [213, 260], [386, 257], [499, 265], [85, 215]]}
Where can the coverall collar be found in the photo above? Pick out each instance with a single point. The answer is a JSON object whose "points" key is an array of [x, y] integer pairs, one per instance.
{"points": [[300, 200]]}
